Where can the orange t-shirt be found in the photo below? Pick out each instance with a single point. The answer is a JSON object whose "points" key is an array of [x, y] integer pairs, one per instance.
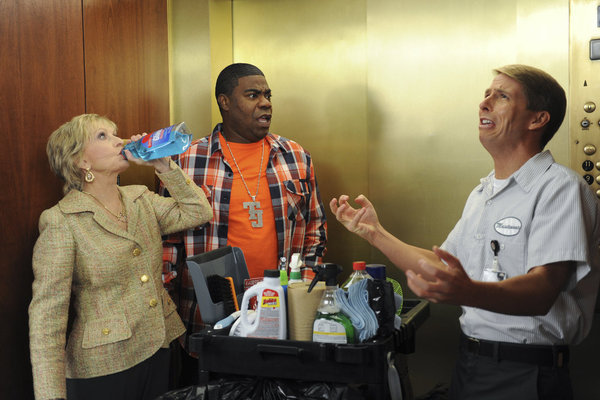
{"points": [[259, 244]]}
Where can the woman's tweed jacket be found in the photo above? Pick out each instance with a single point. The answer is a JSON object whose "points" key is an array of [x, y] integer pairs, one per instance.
{"points": [[106, 282]]}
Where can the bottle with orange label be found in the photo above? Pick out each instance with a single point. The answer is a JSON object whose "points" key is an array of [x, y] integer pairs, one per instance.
{"points": [[270, 321]]}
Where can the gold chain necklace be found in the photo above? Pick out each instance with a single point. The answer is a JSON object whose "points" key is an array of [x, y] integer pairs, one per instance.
{"points": [[121, 216], [254, 211]]}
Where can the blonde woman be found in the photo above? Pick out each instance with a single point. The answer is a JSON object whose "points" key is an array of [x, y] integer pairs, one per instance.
{"points": [[100, 320]]}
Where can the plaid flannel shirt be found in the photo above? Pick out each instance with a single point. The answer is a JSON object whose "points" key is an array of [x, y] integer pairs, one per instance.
{"points": [[299, 213]]}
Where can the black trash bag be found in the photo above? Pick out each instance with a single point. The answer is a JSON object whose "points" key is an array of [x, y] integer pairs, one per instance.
{"points": [[186, 393], [232, 389], [241, 388], [288, 389]]}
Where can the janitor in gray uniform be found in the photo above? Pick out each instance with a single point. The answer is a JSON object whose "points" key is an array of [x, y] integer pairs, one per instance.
{"points": [[523, 259]]}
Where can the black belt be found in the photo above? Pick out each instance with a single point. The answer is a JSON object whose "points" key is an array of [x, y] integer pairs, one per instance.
{"points": [[550, 356]]}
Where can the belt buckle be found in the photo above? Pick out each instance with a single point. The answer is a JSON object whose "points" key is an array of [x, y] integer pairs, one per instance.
{"points": [[473, 344]]}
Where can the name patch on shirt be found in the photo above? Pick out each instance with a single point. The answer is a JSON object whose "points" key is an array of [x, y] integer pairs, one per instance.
{"points": [[509, 226]]}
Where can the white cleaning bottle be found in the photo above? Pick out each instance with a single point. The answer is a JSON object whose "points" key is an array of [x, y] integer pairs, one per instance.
{"points": [[270, 321]]}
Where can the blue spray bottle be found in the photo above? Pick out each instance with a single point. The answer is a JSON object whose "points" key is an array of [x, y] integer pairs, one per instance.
{"points": [[164, 142]]}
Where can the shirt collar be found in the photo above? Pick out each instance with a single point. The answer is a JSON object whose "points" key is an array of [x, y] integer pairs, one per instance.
{"points": [[274, 141], [525, 176]]}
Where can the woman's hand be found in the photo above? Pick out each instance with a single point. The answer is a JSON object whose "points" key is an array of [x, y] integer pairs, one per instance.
{"points": [[160, 164]]}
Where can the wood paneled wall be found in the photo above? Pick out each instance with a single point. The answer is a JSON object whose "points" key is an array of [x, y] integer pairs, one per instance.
{"points": [[127, 68], [58, 59], [41, 86]]}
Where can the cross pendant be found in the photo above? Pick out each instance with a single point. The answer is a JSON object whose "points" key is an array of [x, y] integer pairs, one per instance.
{"points": [[255, 214]]}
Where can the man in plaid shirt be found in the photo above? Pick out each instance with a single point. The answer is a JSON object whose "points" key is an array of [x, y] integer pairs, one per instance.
{"points": [[262, 188]]}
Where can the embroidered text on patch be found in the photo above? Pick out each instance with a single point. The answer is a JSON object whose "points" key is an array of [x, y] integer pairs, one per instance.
{"points": [[509, 226]]}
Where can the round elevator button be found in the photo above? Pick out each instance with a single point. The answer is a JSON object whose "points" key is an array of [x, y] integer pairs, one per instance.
{"points": [[585, 123], [589, 107], [589, 149]]}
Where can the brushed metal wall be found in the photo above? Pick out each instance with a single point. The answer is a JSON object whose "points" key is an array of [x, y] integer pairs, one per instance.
{"points": [[384, 93], [190, 65]]}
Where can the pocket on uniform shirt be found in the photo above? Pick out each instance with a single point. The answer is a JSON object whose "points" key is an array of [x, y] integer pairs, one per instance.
{"points": [[512, 257], [297, 193], [104, 331]]}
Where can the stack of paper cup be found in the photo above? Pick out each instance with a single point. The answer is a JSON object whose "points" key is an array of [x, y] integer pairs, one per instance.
{"points": [[302, 307]]}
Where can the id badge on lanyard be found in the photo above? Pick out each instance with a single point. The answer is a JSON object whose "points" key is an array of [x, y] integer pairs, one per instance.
{"points": [[493, 273]]}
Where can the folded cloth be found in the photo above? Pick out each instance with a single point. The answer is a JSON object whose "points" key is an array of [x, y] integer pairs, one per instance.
{"points": [[355, 304]]}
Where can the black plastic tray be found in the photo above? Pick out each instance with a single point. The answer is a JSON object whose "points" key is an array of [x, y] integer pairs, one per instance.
{"points": [[308, 361]]}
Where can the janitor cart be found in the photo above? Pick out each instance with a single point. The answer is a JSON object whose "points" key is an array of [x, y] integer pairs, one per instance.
{"points": [[378, 367]]}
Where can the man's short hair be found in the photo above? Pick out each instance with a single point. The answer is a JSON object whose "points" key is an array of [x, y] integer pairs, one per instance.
{"points": [[543, 93], [228, 78]]}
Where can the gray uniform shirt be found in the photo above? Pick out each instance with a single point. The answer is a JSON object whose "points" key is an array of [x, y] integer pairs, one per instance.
{"points": [[545, 213]]}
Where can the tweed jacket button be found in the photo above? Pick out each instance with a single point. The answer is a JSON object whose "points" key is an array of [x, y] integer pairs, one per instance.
{"points": [[153, 302], [144, 278], [137, 251], [105, 331], [188, 181]]}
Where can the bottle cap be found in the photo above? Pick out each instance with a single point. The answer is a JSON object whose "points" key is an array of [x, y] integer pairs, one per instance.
{"points": [[295, 262], [358, 265], [377, 271], [271, 273]]}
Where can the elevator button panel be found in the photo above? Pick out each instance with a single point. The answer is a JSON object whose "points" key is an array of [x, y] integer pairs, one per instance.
{"points": [[584, 93]]}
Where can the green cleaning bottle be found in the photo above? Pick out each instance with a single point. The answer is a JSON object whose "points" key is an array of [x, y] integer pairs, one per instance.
{"points": [[331, 324]]}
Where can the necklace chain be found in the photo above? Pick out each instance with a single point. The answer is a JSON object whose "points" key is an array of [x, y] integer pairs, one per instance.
{"points": [[240, 171], [121, 216]]}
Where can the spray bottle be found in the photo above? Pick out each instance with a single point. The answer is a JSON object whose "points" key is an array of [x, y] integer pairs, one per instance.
{"points": [[331, 325]]}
